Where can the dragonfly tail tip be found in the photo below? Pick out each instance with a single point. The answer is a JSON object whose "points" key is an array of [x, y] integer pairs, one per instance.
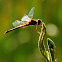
{"points": [[5, 33]]}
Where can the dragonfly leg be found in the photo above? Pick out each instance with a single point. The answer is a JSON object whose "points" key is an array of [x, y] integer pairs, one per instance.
{"points": [[36, 29], [39, 26]]}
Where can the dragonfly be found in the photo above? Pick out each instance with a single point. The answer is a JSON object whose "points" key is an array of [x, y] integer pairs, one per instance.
{"points": [[26, 20]]}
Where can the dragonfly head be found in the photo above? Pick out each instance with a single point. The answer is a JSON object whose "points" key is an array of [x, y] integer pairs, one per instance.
{"points": [[39, 21]]}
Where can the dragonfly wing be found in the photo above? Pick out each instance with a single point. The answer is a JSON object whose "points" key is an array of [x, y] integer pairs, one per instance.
{"points": [[18, 23], [25, 18], [30, 15]]}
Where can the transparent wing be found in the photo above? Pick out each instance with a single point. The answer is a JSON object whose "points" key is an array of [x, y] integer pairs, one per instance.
{"points": [[25, 18], [19, 23], [30, 15]]}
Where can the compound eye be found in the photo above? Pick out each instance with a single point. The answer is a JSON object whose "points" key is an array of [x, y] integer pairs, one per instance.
{"points": [[39, 21]]}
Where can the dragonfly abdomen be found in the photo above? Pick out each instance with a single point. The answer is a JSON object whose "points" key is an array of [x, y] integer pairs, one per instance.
{"points": [[15, 28]]}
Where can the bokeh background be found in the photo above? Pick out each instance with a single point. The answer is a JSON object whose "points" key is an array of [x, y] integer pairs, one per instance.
{"points": [[21, 45]]}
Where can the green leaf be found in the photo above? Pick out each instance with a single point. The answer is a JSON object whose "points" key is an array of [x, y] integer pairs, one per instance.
{"points": [[51, 46]]}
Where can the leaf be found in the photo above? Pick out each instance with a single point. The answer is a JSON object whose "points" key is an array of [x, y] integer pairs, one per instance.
{"points": [[51, 46]]}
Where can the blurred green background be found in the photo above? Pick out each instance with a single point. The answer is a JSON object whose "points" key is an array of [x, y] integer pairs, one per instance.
{"points": [[21, 45]]}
